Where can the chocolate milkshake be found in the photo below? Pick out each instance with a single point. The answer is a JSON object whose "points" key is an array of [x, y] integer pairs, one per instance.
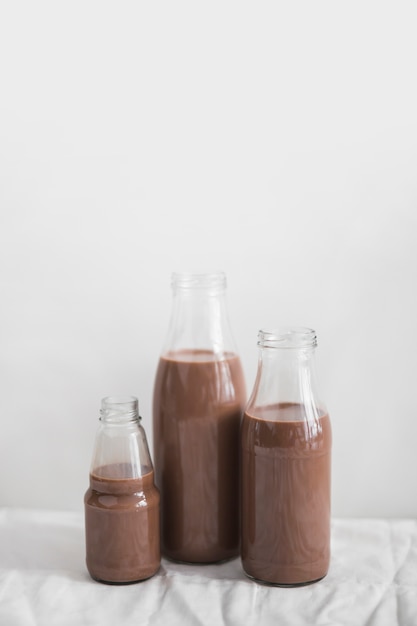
{"points": [[122, 524], [198, 403], [286, 493]]}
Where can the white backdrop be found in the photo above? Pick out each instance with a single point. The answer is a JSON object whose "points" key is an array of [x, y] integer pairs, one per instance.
{"points": [[274, 140]]}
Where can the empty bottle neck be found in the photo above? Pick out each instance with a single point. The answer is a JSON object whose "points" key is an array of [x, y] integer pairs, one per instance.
{"points": [[199, 283], [199, 319], [287, 348], [286, 367], [288, 338], [119, 410]]}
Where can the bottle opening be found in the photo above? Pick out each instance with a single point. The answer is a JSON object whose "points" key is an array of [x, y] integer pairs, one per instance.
{"points": [[119, 408], [211, 280], [287, 337]]}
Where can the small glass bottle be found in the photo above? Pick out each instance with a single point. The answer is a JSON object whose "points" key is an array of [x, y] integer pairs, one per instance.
{"points": [[286, 465], [199, 398], [122, 503]]}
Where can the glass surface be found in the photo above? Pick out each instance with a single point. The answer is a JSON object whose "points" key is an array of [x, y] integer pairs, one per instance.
{"points": [[286, 465], [199, 397]]}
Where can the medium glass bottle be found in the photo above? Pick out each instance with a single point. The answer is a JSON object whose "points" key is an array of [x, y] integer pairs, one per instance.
{"points": [[122, 503], [286, 464], [199, 398]]}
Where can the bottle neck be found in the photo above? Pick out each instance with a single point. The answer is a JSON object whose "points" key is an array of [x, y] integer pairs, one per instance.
{"points": [[286, 372], [119, 410], [199, 320], [121, 449]]}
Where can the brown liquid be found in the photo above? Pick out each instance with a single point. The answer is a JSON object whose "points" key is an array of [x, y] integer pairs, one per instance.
{"points": [[122, 525], [198, 405], [285, 495]]}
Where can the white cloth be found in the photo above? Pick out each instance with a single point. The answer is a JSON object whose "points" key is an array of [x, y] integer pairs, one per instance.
{"points": [[44, 582]]}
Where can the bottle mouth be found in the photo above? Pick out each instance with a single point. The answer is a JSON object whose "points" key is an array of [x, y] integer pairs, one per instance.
{"points": [[287, 337], [210, 280], [117, 409]]}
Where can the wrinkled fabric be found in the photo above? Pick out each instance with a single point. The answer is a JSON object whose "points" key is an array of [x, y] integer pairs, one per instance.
{"points": [[43, 582]]}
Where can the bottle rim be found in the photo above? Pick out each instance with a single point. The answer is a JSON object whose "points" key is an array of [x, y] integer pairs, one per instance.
{"points": [[292, 337], [119, 409], [215, 279]]}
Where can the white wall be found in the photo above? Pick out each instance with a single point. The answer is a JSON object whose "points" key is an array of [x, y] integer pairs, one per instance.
{"points": [[274, 140]]}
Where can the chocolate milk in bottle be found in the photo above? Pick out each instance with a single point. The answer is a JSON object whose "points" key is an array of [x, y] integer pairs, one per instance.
{"points": [[199, 397], [122, 502], [285, 459]]}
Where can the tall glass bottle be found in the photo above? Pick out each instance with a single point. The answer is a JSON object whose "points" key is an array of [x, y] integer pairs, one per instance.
{"points": [[199, 398], [285, 457], [122, 502]]}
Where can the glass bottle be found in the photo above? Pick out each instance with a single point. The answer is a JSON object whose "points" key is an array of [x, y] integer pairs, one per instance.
{"points": [[122, 503], [285, 464], [199, 398]]}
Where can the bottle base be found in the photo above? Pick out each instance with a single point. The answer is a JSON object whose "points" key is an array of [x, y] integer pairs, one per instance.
{"points": [[268, 583], [197, 562], [98, 579]]}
